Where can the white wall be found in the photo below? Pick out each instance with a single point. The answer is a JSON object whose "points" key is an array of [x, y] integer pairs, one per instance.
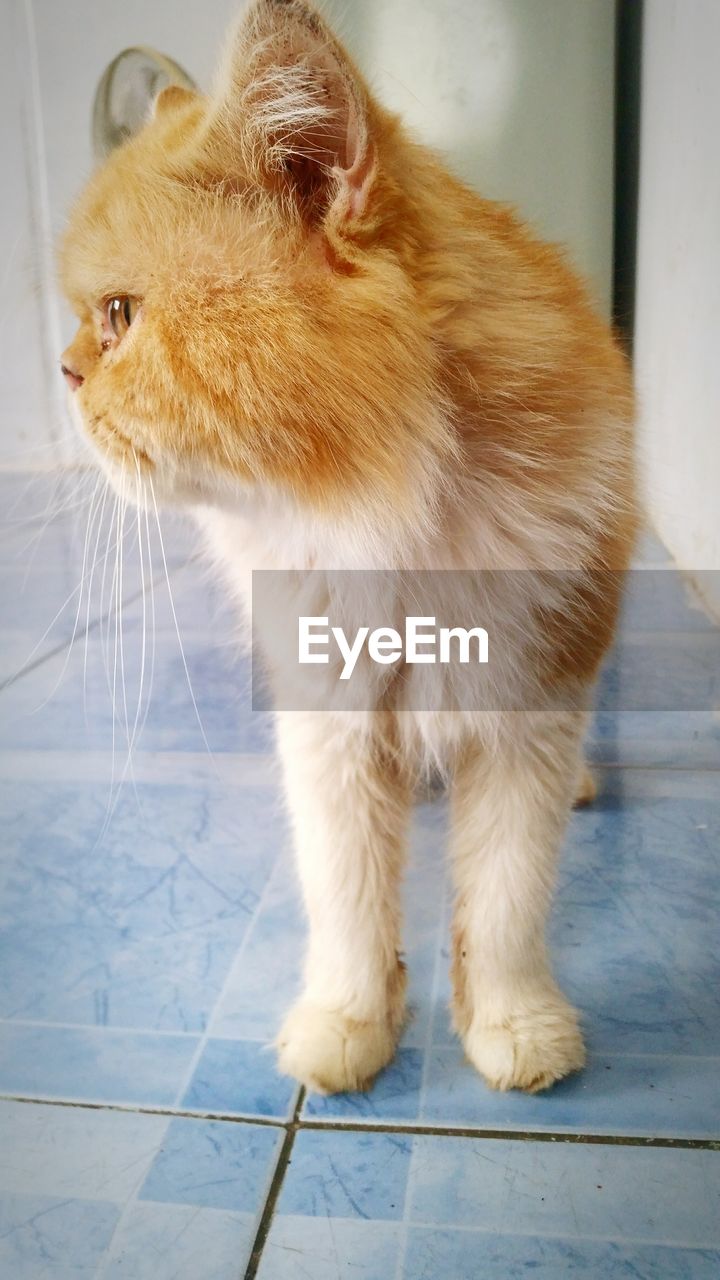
{"points": [[678, 287], [25, 415], [517, 92]]}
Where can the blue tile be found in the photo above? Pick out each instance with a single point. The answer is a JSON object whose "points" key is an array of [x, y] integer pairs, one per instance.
{"points": [[665, 600], [265, 978], [93, 1065], [470, 1255], [45, 521], [626, 1095], [180, 1242], [567, 1190], [347, 1175], [660, 672], [331, 1249], [213, 1164], [53, 585], [40, 601], [138, 929], [662, 739], [68, 704], [478, 1207], [69, 1178], [636, 914], [117, 955], [238, 1077], [75, 1153], [424, 897], [633, 943], [659, 696], [394, 1097], [44, 1237], [40, 531]]}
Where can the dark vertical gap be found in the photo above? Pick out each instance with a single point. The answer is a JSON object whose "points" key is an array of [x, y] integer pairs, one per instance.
{"points": [[628, 72], [276, 1186]]}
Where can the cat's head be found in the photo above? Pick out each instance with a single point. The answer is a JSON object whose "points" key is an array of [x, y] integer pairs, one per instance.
{"points": [[242, 271]]}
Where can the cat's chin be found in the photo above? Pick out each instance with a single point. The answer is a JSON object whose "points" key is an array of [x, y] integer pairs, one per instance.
{"points": [[152, 487], [146, 483]]}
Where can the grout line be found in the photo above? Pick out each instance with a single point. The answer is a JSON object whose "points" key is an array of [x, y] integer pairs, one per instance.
{"points": [[276, 1186], [297, 1124], [129, 1108], [517, 1135], [48, 1024], [91, 1028]]}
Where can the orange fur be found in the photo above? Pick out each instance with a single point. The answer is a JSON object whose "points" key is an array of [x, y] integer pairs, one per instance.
{"points": [[340, 342], [337, 355]]}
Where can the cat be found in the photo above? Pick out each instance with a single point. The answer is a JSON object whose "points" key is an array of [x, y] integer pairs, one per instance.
{"points": [[296, 323]]}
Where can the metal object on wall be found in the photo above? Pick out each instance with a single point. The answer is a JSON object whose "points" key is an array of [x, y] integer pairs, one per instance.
{"points": [[131, 81]]}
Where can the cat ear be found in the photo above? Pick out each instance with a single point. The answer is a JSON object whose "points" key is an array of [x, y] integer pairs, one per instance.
{"points": [[296, 111], [127, 92]]}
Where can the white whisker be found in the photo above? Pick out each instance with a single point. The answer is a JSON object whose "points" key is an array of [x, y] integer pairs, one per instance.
{"points": [[77, 591], [151, 579], [144, 610], [175, 621], [113, 605], [89, 596]]}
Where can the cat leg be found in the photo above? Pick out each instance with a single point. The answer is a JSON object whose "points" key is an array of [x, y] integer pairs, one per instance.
{"points": [[510, 807], [349, 809]]}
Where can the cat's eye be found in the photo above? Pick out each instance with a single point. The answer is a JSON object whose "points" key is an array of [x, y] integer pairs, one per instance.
{"points": [[120, 313]]}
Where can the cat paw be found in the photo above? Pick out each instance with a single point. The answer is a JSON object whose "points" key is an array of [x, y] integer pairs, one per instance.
{"points": [[331, 1053], [527, 1050]]}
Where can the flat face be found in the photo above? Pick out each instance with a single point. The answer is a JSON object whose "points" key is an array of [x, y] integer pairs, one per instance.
{"points": [[153, 935]]}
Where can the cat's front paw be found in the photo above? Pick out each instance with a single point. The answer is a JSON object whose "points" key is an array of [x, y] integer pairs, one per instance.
{"points": [[331, 1053], [528, 1049]]}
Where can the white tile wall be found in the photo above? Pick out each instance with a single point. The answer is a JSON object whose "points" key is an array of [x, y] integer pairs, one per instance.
{"points": [[517, 92]]}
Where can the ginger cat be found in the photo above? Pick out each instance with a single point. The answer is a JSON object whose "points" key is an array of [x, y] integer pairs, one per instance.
{"points": [[296, 322]]}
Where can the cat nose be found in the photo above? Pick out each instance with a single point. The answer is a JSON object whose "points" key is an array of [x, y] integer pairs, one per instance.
{"points": [[74, 380]]}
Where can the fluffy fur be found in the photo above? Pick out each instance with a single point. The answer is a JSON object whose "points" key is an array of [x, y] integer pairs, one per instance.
{"points": [[344, 358]]}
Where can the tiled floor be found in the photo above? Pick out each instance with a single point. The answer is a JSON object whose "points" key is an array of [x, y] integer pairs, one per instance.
{"points": [[149, 942]]}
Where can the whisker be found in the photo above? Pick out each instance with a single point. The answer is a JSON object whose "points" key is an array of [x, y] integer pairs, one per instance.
{"points": [[76, 591], [113, 793], [89, 596], [128, 766], [47, 516], [143, 585], [113, 604], [153, 627], [175, 621], [116, 786], [106, 611], [119, 618]]}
